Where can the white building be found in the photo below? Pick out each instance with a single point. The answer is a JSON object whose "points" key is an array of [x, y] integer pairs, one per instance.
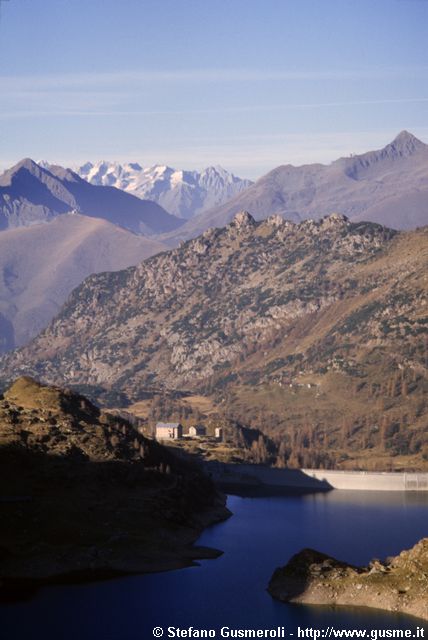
{"points": [[197, 431], [169, 431], [219, 433]]}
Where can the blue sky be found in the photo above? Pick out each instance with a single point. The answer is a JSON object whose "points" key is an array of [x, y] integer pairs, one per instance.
{"points": [[245, 84]]}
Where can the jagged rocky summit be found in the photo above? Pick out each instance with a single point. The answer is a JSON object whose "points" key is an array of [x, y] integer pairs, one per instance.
{"points": [[180, 315]]}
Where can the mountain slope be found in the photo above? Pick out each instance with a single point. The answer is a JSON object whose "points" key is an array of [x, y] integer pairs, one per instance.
{"points": [[85, 493], [182, 193], [30, 193], [296, 329], [41, 264], [389, 186]]}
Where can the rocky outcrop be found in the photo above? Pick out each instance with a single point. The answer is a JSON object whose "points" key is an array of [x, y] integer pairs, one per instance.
{"points": [[178, 318], [399, 584]]}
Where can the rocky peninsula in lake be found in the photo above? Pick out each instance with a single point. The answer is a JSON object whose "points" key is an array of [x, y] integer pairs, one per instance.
{"points": [[398, 584], [84, 495]]}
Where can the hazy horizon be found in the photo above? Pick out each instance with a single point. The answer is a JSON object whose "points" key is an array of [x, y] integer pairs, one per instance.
{"points": [[182, 165], [248, 88]]}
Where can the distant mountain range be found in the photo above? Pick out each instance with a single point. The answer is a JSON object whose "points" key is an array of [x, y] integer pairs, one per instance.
{"points": [[31, 193], [181, 193], [41, 264], [388, 186]]}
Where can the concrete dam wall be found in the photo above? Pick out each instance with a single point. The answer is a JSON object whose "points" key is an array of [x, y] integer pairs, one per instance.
{"points": [[253, 476], [372, 481]]}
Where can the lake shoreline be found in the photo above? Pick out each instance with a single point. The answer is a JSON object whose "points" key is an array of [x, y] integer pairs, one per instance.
{"points": [[128, 560], [263, 534], [400, 583]]}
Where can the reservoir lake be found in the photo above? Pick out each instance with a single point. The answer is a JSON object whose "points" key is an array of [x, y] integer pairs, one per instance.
{"points": [[230, 591]]}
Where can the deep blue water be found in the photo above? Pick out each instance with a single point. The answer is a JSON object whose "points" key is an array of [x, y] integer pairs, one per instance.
{"points": [[231, 591]]}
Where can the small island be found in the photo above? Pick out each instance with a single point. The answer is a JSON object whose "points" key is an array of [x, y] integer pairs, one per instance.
{"points": [[399, 584]]}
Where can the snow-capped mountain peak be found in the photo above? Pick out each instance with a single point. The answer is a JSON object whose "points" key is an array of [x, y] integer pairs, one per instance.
{"points": [[182, 193]]}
